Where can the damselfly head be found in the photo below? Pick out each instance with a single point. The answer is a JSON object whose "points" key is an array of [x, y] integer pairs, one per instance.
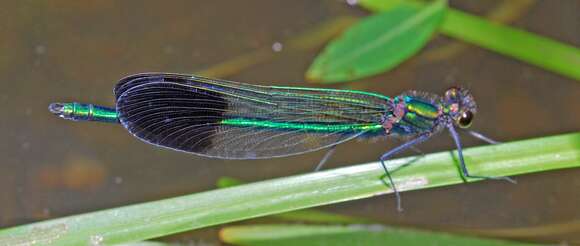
{"points": [[460, 106]]}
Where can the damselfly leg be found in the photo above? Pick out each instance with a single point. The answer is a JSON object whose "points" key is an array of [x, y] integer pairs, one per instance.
{"points": [[394, 151], [464, 171], [482, 137], [327, 156]]}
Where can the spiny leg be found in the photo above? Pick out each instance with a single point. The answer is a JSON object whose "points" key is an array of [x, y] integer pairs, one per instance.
{"points": [[326, 157], [394, 151], [462, 161], [417, 150], [482, 137]]}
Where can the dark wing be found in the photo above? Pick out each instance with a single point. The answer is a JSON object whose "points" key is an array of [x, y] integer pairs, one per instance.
{"points": [[232, 120]]}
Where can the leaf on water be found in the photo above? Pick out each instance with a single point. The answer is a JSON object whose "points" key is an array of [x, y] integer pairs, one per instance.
{"points": [[377, 43]]}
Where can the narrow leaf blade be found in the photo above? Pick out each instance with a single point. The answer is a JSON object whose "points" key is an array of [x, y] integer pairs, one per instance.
{"points": [[541, 51], [546, 53], [311, 235], [164, 217]]}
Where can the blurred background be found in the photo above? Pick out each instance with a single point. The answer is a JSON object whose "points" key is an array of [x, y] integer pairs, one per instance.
{"points": [[77, 50]]}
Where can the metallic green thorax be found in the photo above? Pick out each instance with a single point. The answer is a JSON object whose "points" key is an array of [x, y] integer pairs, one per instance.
{"points": [[84, 112], [316, 127], [420, 114], [420, 108]]}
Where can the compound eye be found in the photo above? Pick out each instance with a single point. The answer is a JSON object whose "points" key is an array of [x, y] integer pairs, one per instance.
{"points": [[464, 121]]}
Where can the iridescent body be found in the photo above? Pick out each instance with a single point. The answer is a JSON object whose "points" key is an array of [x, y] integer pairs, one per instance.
{"points": [[84, 112], [232, 120]]}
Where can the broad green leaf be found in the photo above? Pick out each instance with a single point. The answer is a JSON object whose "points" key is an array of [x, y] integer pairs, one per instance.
{"points": [[377, 43], [546, 53], [314, 235], [164, 217]]}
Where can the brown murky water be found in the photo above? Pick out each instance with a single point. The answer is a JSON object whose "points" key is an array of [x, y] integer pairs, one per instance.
{"points": [[77, 50]]}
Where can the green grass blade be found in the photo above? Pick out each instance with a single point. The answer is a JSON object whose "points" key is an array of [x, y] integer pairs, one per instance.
{"points": [[537, 50], [313, 235], [377, 43], [543, 52], [304, 215], [169, 216]]}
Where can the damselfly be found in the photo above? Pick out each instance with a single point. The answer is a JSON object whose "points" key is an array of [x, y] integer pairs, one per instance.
{"points": [[232, 120]]}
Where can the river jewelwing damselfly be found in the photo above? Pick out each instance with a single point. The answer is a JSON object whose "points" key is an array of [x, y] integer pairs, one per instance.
{"points": [[232, 120]]}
